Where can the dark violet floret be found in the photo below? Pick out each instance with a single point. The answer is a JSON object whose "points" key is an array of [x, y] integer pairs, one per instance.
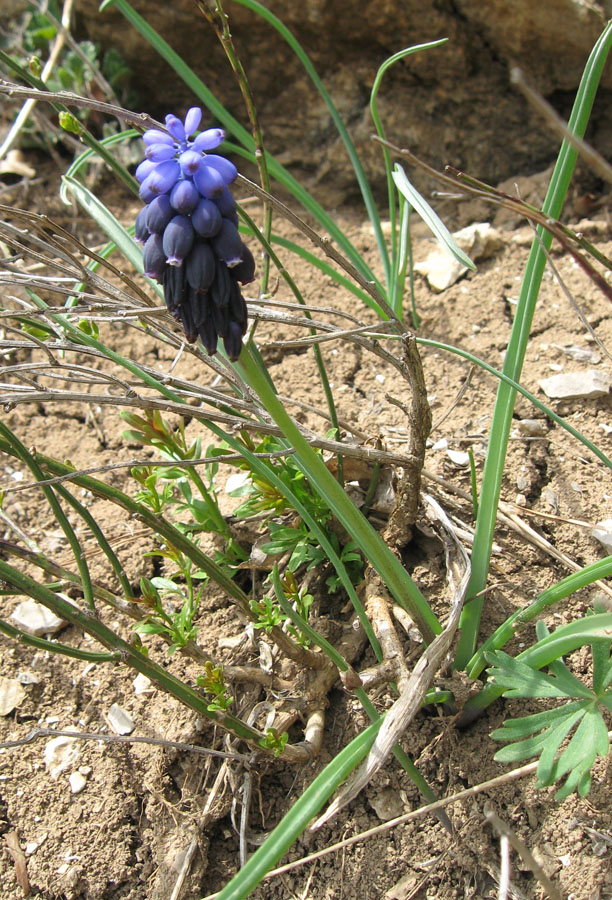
{"points": [[226, 203], [208, 334], [227, 244], [178, 240], [174, 287], [221, 287], [200, 266], [198, 306], [141, 232], [206, 218], [184, 196], [244, 272], [154, 258], [232, 341], [159, 213], [238, 307]]}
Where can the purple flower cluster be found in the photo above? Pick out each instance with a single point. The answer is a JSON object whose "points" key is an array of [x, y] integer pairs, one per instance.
{"points": [[189, 231]]}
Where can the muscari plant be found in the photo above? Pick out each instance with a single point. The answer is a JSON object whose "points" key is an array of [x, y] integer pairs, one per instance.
{"points": [[192, 248]]}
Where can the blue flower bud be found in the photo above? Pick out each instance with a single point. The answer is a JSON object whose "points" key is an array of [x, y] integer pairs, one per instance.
{"points": [[175, 127], [141, 232], [155, 136], [244, 272], [145, 168], [154, 258], [190, 162], [227, 244], [209, 181], [233, 341], [160, 152], [178, 240], [209, 139], [192, 120], [184, 196], [200, 266], [226, 169], [206, 218], [226, 203], [163, 177], [159, 213]]}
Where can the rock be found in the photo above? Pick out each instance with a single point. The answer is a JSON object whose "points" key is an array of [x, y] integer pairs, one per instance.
{"points": [[119, 720], [441, 270], [11, 695], [576, 385], [458, 457], [143, 685], [60, 754], [580, 354], [479, 241], [36, 619], [387, 804], [78, 782], [603, 533], [532, 427]]}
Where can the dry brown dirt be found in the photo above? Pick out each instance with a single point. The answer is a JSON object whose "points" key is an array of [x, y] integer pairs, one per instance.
{"points": [[124, 836]]}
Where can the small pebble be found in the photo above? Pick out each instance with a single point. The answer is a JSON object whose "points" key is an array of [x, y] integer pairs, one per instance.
{"points": [[11, 695], [142, 685], [36, 619], [119, 720], [532, 427], [577, 385], [60, 754], [77, 782], [603, 533]]}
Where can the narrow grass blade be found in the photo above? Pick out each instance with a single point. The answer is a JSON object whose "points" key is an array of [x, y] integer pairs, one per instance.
{"points": [[517, 346], [368, 540]]}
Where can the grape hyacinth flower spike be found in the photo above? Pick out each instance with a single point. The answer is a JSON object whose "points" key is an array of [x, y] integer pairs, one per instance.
{"points": [[188, 230]]}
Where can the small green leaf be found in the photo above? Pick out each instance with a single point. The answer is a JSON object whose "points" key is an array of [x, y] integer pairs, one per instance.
{"points": [[431, 219]]}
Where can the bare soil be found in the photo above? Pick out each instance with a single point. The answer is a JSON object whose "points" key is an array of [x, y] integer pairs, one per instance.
{"points": [[124, 836]]}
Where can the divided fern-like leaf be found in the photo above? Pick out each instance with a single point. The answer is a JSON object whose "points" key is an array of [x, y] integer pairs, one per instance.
{"points": [[543, 734]]}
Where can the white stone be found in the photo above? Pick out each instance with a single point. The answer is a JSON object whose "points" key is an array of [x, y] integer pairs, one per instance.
{"points": [[142, 685], [119, 720], [577, 385], [603, 533], [441, 269], [36, 619], [60, 754], [11, 695], [458, 457], [77, 782]]}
